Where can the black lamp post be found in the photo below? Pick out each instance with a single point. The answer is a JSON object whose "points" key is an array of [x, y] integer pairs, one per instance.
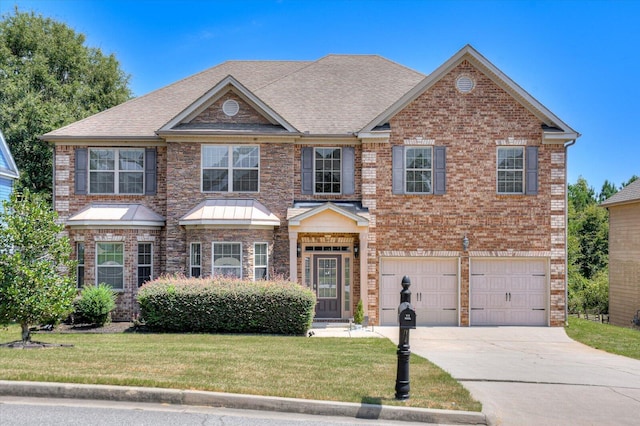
{"points": [[407, 320]]}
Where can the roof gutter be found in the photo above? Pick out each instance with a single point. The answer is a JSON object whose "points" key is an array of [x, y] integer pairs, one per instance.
{"points": [[566, 230]]}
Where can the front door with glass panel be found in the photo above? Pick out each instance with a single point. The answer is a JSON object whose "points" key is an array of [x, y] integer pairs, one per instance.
{"points": [[327, 284]]}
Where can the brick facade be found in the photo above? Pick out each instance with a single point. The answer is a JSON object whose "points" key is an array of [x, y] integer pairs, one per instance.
{"points": [[470, 126]]}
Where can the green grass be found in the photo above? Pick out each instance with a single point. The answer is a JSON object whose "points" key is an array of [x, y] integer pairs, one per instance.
{"points": [[337, 369], [609, 338]]}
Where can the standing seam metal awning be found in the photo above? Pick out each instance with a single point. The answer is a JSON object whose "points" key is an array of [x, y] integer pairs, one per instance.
{"points": [[110, 215], [230, 212]]}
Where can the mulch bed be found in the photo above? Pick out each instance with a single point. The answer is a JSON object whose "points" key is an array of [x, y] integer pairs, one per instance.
{"points": [[112, 327]]}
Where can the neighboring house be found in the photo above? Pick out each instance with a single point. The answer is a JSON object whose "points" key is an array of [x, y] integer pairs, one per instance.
{"points": [[624, 254], [344, 174], [8, 170]]}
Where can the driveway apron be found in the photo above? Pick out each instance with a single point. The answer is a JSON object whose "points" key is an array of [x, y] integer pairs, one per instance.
{"points": [[533, 375]]}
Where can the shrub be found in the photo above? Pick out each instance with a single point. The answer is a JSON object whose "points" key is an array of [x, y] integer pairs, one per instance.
{"points": [[226, 305], [94, 305], [358, 315]]}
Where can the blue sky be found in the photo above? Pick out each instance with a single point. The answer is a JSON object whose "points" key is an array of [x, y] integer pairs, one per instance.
{"points": [[578, 58]]}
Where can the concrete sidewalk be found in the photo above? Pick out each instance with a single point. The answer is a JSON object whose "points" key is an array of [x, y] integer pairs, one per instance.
{"points": [[533, 375]]}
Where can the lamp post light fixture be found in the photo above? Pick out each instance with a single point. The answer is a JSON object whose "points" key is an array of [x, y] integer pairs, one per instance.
{"points": [[465, 243]]}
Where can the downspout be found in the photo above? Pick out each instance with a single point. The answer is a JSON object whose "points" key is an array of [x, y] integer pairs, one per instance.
{"points": [[566, 230]]}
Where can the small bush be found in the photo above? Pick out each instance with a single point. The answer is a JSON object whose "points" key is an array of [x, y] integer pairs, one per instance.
{"points": [[226, 305], [94, 305], [358, 315]]}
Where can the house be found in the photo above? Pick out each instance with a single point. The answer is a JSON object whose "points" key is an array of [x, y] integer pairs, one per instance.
{"points": [[8, 170], [624, 254], [344, 174]]}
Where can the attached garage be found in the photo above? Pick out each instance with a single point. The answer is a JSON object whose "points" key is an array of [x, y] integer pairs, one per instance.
{"points": [[434, 289], [509, 291]]}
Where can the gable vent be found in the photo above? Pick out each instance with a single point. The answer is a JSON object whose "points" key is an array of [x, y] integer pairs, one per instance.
{"points": [[230, 107], [464, 84]]}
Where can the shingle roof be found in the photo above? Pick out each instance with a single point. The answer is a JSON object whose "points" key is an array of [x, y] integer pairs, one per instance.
{"points": [[335, 95], [628, 194]]}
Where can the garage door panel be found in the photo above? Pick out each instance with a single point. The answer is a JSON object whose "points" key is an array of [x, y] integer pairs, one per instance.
{"points": [[509, 291], [434, 290]]}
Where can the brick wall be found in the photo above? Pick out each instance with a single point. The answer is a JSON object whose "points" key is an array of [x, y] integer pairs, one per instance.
{"points": [[471, 126]]}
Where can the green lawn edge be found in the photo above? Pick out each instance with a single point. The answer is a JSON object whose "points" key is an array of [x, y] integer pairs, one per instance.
{"points": [[609, 338], [360, 370]]}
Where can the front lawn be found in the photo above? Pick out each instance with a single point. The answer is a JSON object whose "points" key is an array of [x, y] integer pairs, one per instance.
{"points": [[361, 370], [609, 338]]}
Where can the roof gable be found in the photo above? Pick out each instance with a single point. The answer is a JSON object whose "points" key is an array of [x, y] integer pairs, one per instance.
{"points": [[227, 85], [556, 129]]}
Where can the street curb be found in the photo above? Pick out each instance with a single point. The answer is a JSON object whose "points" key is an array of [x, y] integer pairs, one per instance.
{"points": [[238, 401]]}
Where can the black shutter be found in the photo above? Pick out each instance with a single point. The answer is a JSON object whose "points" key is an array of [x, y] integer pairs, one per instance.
{"points": [[398, 169], [531, 170], [150, 174], [348, 171], [81, 168], [440, 170], [307, 170]]}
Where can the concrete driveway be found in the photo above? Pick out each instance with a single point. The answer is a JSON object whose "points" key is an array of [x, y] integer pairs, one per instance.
{"points": [[533, 375]]}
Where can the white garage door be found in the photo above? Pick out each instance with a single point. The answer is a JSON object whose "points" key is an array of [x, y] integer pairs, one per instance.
{"points": [[509, 292], [434, 290]]}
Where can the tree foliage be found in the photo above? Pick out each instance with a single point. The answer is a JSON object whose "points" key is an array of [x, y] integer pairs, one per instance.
{"points": [[588, 246], [49, 78], [36, 270]]}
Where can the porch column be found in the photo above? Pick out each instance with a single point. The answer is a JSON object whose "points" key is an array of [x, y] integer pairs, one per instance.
{"points": [[293, 256], [364, 270]]}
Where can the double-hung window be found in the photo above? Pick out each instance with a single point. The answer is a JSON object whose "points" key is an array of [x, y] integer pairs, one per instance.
{"points": [[195, 260], [227, 259], [145, 263], [80, 259], [327, 170], [110, 264], [418, 170], [116, 171], [230, 168], [260, 261], [510, 170]]}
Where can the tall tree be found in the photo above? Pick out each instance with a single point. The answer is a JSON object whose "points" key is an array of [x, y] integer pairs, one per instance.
{"points": [[581, 194], [608, 189], [35, 261], [49, 78], [631, 180]]}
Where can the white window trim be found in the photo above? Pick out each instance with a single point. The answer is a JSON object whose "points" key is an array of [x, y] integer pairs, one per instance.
{"points": [[406, 169], [314, 170], [191, 264], [116, 171], [150, 265], [230, 169], [523, 170], [213, 267], [124, 256], [266, 266]]}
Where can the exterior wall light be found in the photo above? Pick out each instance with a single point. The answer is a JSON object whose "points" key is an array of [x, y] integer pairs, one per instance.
{"points": [[299, 250], [465, 243], [356, 250]]}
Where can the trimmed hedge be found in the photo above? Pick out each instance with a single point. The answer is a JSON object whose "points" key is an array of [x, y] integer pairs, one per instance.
{"points": [[94, 305], [178, 304]]}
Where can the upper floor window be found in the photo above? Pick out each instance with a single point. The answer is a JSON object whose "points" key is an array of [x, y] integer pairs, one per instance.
{"points": [[230, 168], [511, 170], [116, 171], [418, 170], [327, 170]]}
